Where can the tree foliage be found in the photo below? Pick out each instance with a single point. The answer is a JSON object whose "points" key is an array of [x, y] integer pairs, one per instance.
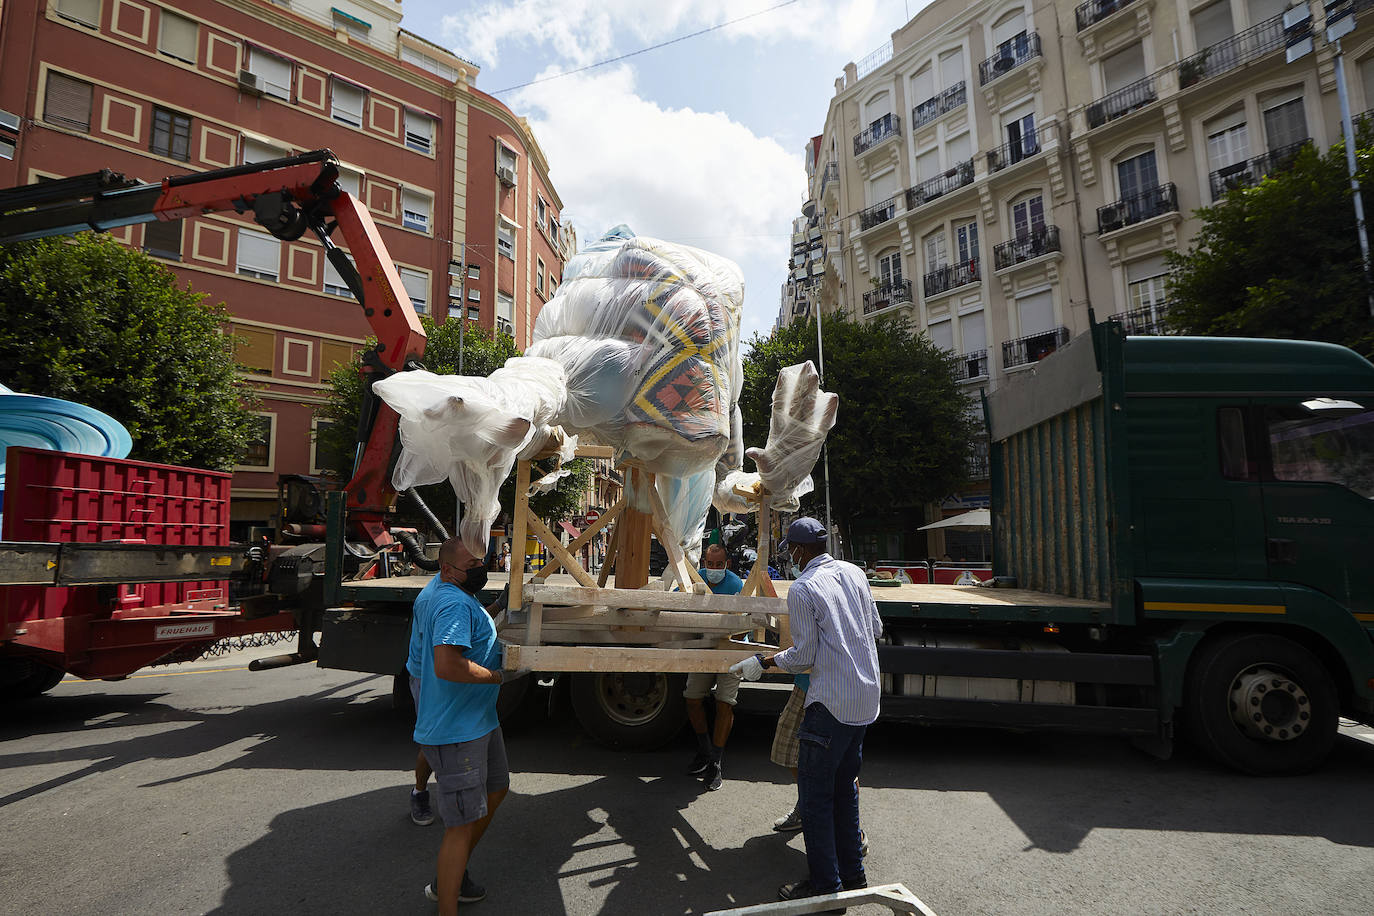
{"points": [[89, 320], [1281, 259], [483, 353], [903, 434]]}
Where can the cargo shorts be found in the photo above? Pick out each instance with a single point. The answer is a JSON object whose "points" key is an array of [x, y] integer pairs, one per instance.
{"points": [[466, 773], [699, 684]]}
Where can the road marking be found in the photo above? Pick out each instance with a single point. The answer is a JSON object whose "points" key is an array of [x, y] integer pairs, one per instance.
{"points": [[178, 673]]}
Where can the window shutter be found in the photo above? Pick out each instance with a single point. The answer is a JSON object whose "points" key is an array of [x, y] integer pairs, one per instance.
{"points": [[68, 102], [1152, 266], [974, 332], [257, 151], [347, 103], [273, 73], [177, 37], [163, 239], [1036, 313], [942, 335], [83, 11], [419, 131], [259, 254], [417, 288]]}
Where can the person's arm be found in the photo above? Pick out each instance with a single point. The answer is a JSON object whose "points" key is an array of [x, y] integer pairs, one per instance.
{"points": [[452, 665]]}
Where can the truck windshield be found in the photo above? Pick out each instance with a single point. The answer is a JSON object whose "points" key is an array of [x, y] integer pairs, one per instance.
{"points": [[1328, 449]]}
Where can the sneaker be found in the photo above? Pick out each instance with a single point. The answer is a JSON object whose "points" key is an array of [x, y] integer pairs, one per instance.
{"points": [[470, 892], [803, 889], [699, 764], [789, 822], [711, 777], [420, 812], [863, 845]]}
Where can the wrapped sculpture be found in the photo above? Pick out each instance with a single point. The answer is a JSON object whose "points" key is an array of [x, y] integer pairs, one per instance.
{"points": [[639, 350]]}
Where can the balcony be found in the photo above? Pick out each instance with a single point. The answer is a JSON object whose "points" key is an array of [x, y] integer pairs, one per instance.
{"points": [[831, 174], [887, 295], [973, 365], [1122, 102], [1009, 56], [877, 214], [1094, 11], [885, 127], [1248, 173], [1037, 242], [1152, 202], [951, 277], [1233, 52], [943, 103], [1147, 321], [1008, 154], [951, 180], [1032, 348]]}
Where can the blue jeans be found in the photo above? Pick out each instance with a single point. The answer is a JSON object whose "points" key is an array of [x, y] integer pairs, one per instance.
{"points": [[827, 766]]}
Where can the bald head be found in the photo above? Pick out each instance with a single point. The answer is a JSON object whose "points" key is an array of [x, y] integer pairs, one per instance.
{"points": [[454, 560]]}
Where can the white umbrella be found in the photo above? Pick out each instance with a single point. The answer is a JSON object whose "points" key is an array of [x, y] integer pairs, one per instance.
{"points": [[968, 521]]}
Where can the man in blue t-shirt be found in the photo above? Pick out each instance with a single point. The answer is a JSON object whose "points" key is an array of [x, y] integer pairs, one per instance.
{"points": [[706, 764], [454, 645]]}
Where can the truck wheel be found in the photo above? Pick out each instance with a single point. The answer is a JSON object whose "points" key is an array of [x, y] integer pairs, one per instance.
{"points": [[21, 678], [1261, 704], [629, 712]]}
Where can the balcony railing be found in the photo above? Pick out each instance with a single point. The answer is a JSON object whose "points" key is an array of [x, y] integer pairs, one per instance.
{"points": [[1095, 11], [1245, 174], [889, 294], [1233, 52], [951, 180], [886, 126], [1146, 321], [971, 365], [1029, 144], [1037, 242], [932, 108], [1122, 102], [1032, 348], [1156, 201], [878, 213], [1009, 56], [952, 276], [831, 173]]}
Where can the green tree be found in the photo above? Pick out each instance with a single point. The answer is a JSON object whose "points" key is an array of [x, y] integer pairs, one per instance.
{"points": [[91, 321], [903, 434], [483, 353], [1280, 259]]}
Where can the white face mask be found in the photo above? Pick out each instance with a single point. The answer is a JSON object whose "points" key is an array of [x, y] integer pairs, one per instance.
{"points": [[715, 576]]}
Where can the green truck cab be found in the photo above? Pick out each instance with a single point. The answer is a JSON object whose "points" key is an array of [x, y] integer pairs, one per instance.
{"points": [[1216, 497]]}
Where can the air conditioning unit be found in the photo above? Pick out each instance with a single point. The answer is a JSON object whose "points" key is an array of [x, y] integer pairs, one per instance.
{"points": [[1110, 218], [248, 83], [506, 175], [1003, 64]]}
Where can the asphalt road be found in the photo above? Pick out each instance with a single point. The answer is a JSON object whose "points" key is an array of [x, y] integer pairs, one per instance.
{"points": [[207, 788]]}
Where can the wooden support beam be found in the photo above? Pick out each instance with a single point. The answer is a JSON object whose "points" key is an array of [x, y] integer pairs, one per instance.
{"points": [[609, 562], [644, 599], [754, 585], [517, 550], [534, 628], [688, 579], [551, 541], [632, 562], [625, 659], [582, 539]]}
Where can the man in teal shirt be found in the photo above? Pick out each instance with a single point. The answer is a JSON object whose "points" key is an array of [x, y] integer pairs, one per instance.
{"points": [[706, 765], [453, 639]]}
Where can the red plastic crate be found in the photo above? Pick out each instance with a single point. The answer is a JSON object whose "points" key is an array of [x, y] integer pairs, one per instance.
{"points": [[67, 498]]}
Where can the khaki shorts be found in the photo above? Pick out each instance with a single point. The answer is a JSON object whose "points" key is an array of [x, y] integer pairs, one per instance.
{"points": [[785, 744], [467, 773], [727, 687]]}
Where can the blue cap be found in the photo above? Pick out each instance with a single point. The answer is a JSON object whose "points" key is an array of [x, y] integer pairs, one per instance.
{"points": [[804, 530]]}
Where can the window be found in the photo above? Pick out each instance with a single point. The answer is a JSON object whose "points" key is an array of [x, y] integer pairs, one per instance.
{"points": [[416, 283], [163, 240], [928, 165], [257, 151], [1307, 445], [505, 239], [553, 226], [474, 313], [505, 156], [1285, 123], [1009, 29], [318, 425], [259, 255], [1123, 68], [1021, 138], [951, 68], [1146, 280], [890, 269], [255, 350], [474, 295], [419, 131], [474, 271], [922, 85], [415, 210], [429, 64], [942, 335], [346, 102], [171, 134], [1137, 174], [935, 250], [257, 455], [273, 73], [1232, 450], [1028, 216], [958, 149], [67, 102], [86, 12], [541, 209], [1227, 141], [334, 355], [878, 107], [1036, 313], [351, 181], [505, 312], [334, 283], [967, 238], [974, 334], [356, 28], [882, 187], [539, 274], [9, 134], [1212, 24], [176, 36]]}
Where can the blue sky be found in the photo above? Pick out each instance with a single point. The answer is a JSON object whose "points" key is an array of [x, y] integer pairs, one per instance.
{"points": [[699, 142]]}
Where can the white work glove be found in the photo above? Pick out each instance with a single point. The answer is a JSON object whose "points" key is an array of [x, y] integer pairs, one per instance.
{"points": [[751, 669]]}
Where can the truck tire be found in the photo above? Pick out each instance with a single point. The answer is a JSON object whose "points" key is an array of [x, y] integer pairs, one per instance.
{"points": [[1261, 704], [629, 712], [22, 678]]}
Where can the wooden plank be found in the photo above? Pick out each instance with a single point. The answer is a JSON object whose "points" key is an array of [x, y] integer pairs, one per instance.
{"points": [[759, 574], [681, 620], [534, 627], [609, 562], [582, 539], [651, 600], [619, 658], [632, 563], [551, 541], [517, 549], [605, 637], [576, 612]]}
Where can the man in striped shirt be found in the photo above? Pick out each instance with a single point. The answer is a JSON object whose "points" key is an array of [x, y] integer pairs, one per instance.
{"points": [[835, 628]]}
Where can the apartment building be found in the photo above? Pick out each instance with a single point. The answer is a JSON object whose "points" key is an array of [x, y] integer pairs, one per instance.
{"points": [[455, 181]]}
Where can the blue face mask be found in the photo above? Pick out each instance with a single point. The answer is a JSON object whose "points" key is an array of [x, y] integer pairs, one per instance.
{"points": [[715, 576]]}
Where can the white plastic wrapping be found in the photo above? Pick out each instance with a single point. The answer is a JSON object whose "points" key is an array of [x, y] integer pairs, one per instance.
{"points": [[802, 416]]}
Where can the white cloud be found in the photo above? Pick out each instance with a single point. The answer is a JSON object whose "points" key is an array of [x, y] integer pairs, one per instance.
{"points": [[699, 178]]}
